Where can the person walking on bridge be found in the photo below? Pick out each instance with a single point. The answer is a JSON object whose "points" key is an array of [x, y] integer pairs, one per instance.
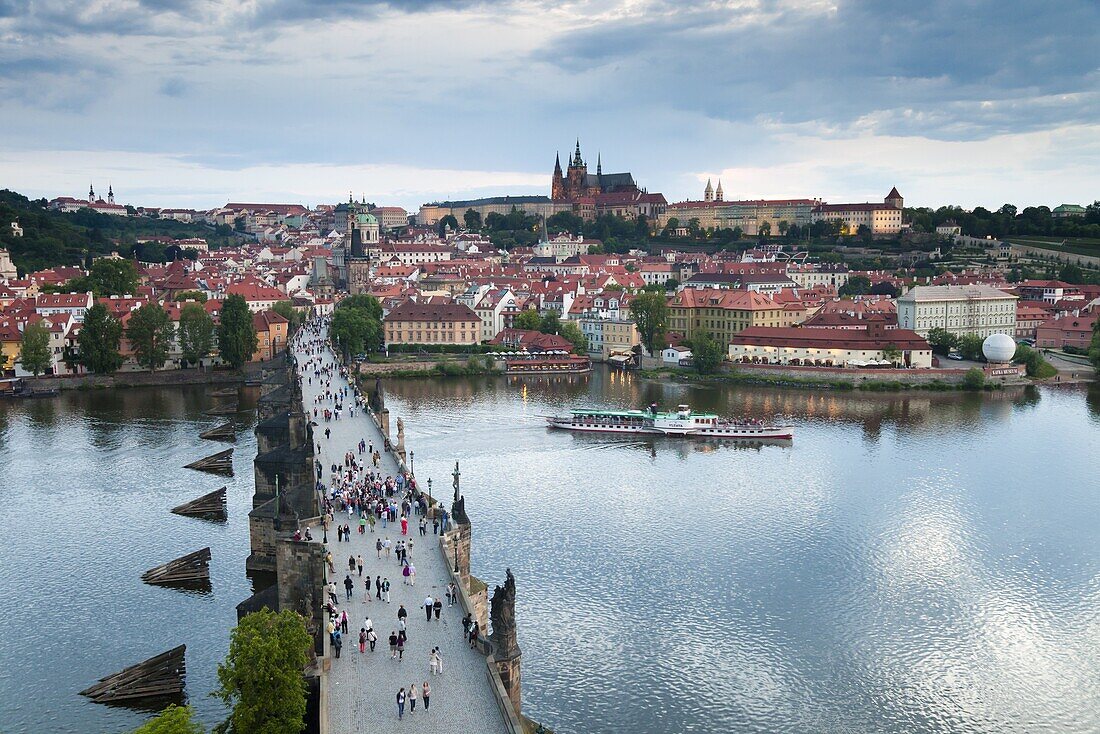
{"points": [[429, 604]]}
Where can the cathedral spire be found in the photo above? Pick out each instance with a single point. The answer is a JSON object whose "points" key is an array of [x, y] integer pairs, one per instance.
{"points": [[599, 164], [557, 164], [577, 155], [708, 193], [718, 191]]}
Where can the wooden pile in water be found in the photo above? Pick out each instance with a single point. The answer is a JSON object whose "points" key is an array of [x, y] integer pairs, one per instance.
{"points": [[210, 506], [228, 409], [224, 432], [158, 677], [194, 567], [219, 463]]}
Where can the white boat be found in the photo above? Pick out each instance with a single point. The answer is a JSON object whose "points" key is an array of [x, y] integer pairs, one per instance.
{"points": [[681, 422]]}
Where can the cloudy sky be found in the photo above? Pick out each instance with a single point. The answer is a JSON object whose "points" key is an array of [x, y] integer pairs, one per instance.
{"points": [[196, 102]]}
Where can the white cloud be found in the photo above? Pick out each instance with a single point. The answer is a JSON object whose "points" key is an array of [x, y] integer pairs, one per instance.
{"points": [[154, 179]]}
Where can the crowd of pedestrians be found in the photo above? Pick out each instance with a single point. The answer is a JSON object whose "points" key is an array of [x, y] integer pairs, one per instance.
{"points": [[358, 497]]}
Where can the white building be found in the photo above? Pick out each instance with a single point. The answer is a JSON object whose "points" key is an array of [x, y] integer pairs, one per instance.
{"points": [[980, 310]]}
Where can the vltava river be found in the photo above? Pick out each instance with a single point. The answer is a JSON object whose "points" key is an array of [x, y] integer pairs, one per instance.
{"points": [[910, 563]]}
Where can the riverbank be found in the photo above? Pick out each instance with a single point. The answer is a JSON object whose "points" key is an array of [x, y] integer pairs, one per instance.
{"points": [[469, 367], [161, 378], [834, 380]]}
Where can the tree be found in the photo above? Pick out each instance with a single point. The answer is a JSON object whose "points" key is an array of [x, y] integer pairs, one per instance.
{"points": [[150, 333], [650, 313], [261, 678], [1033, 362], [370, 304], [892, 354], [100, 337], [34, 352], [857, 285], [236, 332], [970, 346], [1094, 345], [528, 319], [190, 296], [349, 330], [884, 288], [765, 230], [113, 277], [974, 379], [572, 332], [550, 323], [196, 333], [706, 352], [446, 222], [172, 720], [1071, 273], [472, 219], [287, 311], [942, 341]]}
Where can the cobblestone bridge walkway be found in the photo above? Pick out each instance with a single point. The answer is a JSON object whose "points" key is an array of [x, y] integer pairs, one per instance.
{"points": [[362, 687]]}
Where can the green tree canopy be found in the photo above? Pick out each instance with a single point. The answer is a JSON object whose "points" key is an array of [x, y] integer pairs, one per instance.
{"points": [[706, 352], [287, 311], [99, 340], [196, 333], [34, 352], [891, 353], [942, 341], [113, 277], [447, 221], [150, 332], [236, 332], [1094, 346], [974, 379], [472, 219], [569, 330], [550, 323], [650, 313], [357, 325], [528, 319], [970, 346], [190, 296], [172, 720], [857, 285], [261, 678]]}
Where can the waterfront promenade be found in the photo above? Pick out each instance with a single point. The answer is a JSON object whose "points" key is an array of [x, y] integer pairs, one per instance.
{"points": [[362, 687]]}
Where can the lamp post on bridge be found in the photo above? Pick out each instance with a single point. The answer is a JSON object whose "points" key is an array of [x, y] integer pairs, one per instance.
{"points": [[412, 463]]}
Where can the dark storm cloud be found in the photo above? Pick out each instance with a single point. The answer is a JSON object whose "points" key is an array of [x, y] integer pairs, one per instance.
{"points": [[901, 67]]}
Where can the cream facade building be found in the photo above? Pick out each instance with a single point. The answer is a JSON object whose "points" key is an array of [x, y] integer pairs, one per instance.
{"points": [[979, 310]]}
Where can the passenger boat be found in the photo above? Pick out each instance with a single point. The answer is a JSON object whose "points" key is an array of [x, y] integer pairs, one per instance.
{"points": [[681, 422]]}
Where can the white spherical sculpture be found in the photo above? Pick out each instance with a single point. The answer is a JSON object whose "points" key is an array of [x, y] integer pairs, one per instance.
{"points": [[999, 348]]}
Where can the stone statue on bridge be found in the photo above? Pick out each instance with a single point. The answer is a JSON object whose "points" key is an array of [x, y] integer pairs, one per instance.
{"points": [[503, 616]]}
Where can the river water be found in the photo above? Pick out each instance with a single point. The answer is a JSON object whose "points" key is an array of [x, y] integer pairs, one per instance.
{"points": [[909, 563]]}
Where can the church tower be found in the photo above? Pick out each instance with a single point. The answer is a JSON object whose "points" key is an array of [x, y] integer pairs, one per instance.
{"points": [[718, 195], [91, 194], [894, 199], [557, 182], [110, 194], [577, 176], [708, 193]]}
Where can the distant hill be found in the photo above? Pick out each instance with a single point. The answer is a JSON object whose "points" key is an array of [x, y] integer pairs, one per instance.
{"points": [[52, 238]]}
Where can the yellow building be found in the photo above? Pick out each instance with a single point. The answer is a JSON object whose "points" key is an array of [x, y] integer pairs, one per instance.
{"points": [[721, 313], [432, 323]]}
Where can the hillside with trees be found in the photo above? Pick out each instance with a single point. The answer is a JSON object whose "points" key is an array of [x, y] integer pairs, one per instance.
{"points": [[53, 238]]}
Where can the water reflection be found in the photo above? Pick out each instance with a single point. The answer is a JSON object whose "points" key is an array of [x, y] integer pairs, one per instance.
{"points": [[911, 562], [88, 479]]}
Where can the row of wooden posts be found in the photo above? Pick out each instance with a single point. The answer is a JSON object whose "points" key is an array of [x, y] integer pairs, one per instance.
{"points": [[161, 677]]}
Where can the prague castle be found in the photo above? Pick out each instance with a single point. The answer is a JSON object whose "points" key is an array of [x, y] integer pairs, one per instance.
{"points": [[577, 183]]}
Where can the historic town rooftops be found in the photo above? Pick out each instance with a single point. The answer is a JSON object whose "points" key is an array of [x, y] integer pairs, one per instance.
{"points": [[532, 341], [284, 209], [414, 311], [725, 299]]}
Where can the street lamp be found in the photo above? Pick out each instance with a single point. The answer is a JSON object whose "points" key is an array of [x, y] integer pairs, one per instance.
{"points": [[412, 463], [454, 537], [429, 490]]}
